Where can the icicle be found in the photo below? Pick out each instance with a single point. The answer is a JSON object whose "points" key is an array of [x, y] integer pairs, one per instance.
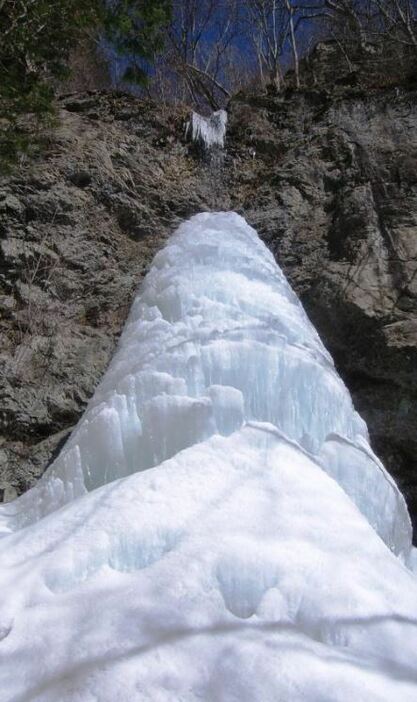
{"points": [[207, 131]]}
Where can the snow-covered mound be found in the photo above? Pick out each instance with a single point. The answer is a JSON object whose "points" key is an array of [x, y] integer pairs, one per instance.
{"points": [[217, 527]]}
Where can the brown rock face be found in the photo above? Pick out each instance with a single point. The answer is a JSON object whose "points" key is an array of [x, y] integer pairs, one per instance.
{"points": [[329, 179], [78, 229]]}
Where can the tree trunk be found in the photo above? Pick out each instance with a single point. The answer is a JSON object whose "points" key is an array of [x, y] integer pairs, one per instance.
{"points": [[293, 44]]}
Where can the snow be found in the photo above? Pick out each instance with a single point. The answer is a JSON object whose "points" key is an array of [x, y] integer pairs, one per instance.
{"points": [[208, 131], [217, 527]]}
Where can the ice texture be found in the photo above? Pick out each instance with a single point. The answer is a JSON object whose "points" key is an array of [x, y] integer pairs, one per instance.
{"points": [[217, 527], [208, 131]]}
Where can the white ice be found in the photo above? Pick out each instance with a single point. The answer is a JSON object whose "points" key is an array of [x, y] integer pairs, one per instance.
{"points": [[217, 527], [208, 131]]}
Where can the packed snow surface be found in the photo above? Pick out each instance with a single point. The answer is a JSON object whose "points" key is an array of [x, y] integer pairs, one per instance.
{"points": [[217, 527]]}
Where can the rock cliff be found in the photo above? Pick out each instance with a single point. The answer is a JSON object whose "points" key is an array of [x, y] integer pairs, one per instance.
{"points": [[327, 176]]}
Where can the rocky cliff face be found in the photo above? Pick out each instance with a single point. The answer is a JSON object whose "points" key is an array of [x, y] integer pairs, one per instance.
{"points": [[328, 178], [332, 188], [77, 231]]}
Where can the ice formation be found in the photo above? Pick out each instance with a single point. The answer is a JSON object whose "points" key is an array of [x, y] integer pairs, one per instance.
{"points": [[218, 527], [208, 131]]}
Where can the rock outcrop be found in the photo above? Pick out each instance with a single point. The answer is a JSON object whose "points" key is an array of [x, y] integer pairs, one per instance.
{"points": [[328, 178], [331, 184], [78, 229]]}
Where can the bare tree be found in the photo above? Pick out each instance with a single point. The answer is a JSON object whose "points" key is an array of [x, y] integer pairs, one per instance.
{"points": [[201, 42], [214, 47], [352, 16], [398, 20], [292, 31], [376, 38], [268, 28]]}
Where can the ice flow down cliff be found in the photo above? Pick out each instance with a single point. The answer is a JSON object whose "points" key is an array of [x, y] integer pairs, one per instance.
{"points": [[217, 527]]}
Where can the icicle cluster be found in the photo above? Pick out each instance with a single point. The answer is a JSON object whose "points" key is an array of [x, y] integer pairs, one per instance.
{"points": [[208, 131]]}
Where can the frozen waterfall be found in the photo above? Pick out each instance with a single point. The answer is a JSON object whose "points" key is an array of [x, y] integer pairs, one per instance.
{"points": [[217, 527], [208, 131]]}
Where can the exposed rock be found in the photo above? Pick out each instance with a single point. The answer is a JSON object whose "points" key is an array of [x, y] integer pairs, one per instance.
{"points": [[77, 231], [11, 205], [81, 178]]}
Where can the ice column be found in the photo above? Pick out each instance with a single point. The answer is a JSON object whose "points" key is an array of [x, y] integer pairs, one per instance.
{"points": [[216, 338]]}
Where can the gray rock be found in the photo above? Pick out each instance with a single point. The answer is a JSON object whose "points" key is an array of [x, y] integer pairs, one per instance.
{"points": [[80, 178], [11, 205], [339, 210]]}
